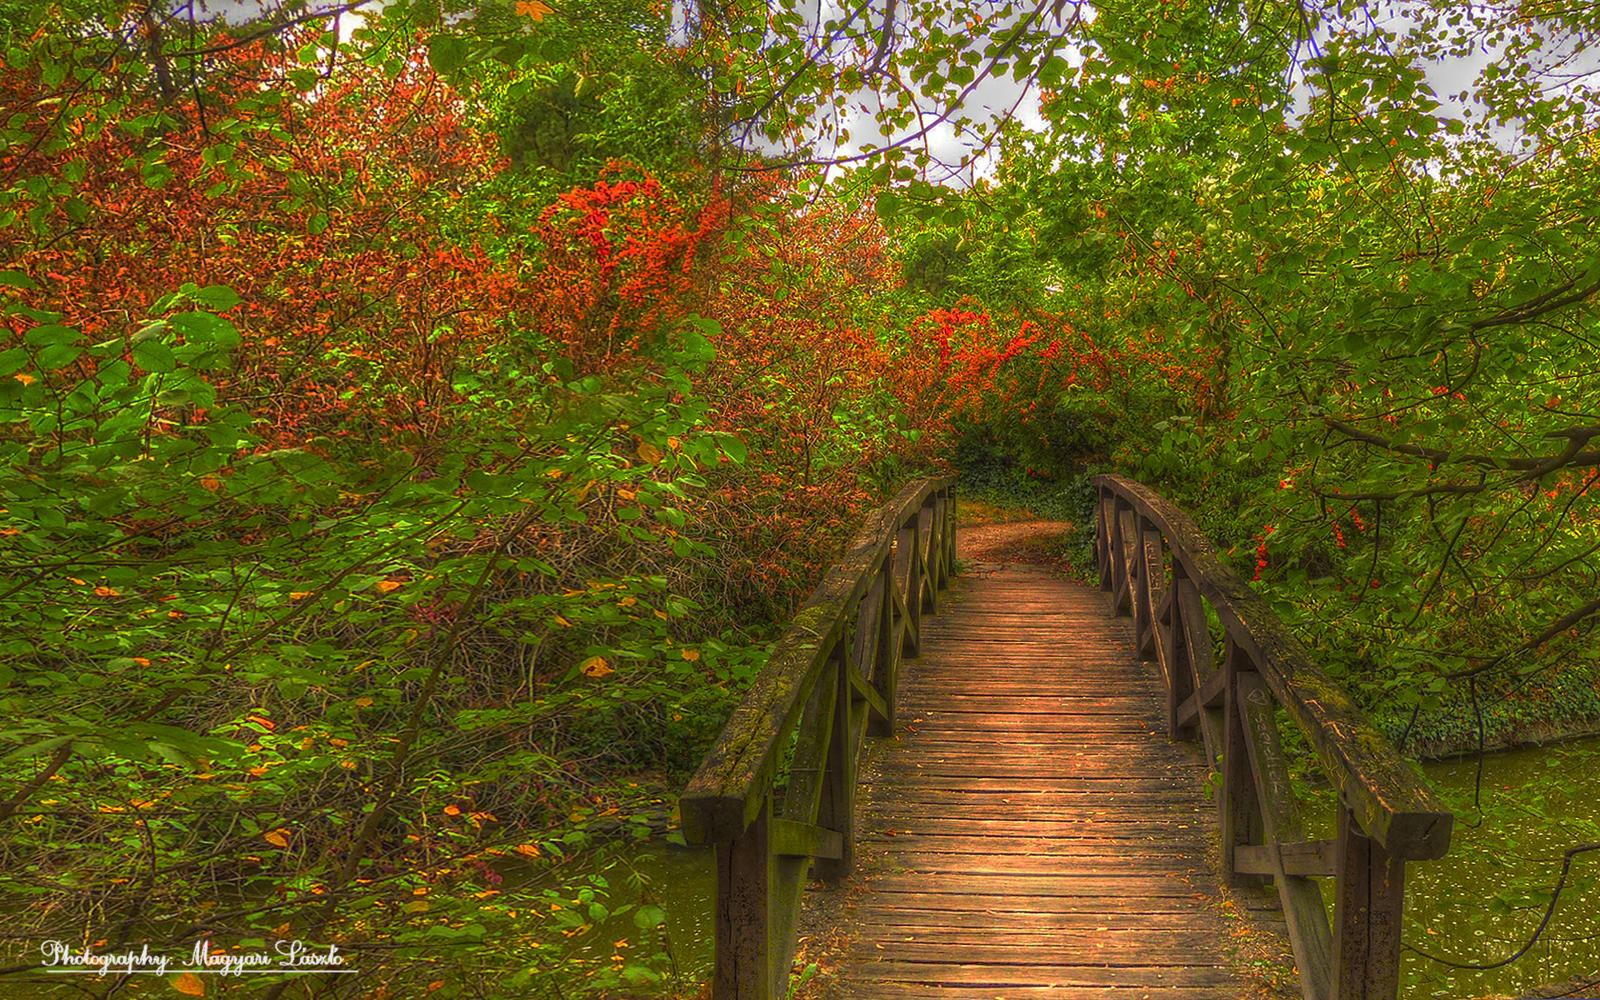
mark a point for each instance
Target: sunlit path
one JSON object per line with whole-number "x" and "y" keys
{"x": 1032, "y": 832}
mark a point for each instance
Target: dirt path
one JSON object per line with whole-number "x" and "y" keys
{"x": 985, "y": 548}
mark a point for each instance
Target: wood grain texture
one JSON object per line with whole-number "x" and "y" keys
{"x": 1033, "y": 833}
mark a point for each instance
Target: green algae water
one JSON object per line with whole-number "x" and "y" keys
{"x": 1482, "y": 902}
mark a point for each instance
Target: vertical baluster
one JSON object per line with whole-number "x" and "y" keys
{"x": 1241, "y": 806}
{"x": 905, "y": 574}
{"x": 837, "y": 811}
{"x": 1102, "y": 539}
{"x": 1121, "y": 572}
{"x": 1368, "y": 903}
{"x": 1180, "y": 670}
{"x": 926, "y": 586}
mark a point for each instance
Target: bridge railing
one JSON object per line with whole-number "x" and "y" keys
{"x": 1160, "y": 569}
{"x": 776, "y": 793}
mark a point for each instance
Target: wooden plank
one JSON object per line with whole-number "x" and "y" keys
{"x": 1308, "y": 858}
{"x": 1092, "y": 948}
{"x": 1035, "y": 974}
{"x": 1006, "y": 928}
{"x": 1113, "y": 991}
{"x": 1170, "y": 884}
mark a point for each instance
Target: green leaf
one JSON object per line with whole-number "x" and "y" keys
{"x": 154, "y": 356}
{"x": 447, "y": 53}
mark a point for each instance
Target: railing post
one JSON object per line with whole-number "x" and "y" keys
{"x": 1121, "y": 571}
{"x": 837, "y": 810}
{"x": 905, "y": 573}
{"x": 746, "y": 968}
{"x": 1145, "y": 535}
{"x": 1180, "y": 679}
{"x": 1102, "y": 539}
{"x": 1241, "y": 805}
{"x": 1369, "y": 900}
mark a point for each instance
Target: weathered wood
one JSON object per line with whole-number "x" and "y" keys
{"x": 1367, "y": 909}
{"x": 1289, "y": 857}
{"x": 1315, "y": 857}
{"x": 837, "y": 810}
{"x": 1241, "y": 806}
{"x": 1393, "y": 804}
{"x": 1030, "y": 807}
{"x": 726, "y": 792}
{"x": 1209, "y": 695}
{"x": 923, "y": 589}
{"x": 803, "y": 794}
{"x": 792, "y": 838}
{"x": 745, "y": 963}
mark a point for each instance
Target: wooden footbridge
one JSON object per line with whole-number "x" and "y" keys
{"x": 1040, "y": 829}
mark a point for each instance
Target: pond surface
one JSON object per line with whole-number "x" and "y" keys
{"x": 1483, "y": 901}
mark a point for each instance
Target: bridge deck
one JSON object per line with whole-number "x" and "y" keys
{"x": 1033, "y": 833}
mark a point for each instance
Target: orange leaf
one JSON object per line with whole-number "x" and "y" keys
{"x": 528, "y": 850}
{"x": 211, "y": 483}
{"x": 533, "y": 9}
{"x": 650, "y": 453}
{"x": 107, "y": 592}
{"x": 25, "y": 379}
{"x": 277, "y": 838}
{"x": 691, "y": 654}
{"x": 385, "y": 586}
{"x": 363, "y": 702}
{"x": 141, "y": 661}
{"x": 300, "y": 595}
{"x": 596, "y": 666}
{"x": 189, "y": 984}
{"x": 452, "y": 810}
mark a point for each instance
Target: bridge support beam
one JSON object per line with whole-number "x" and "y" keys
{"x": 1366, "y": 912}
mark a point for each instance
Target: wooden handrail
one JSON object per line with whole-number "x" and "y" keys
{"x": 776, "y": 793}
{"x": 1160, "y": 569}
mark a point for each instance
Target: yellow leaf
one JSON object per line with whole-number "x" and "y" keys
{"x": 528, "y": 850}
{"x": 385, "y": 586}
{"x": 189, "y": 984}
{"x": 649, "y": 452}
{"x": 691, "y": 654}
{"x": 363, "y": 702}
{"x": 277, "y": 838}
{"x": 533, "y": 9}
{"x": 596, "y": 666}
{"x": 563, "y": 622}
{"x": 300, "y": 595}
